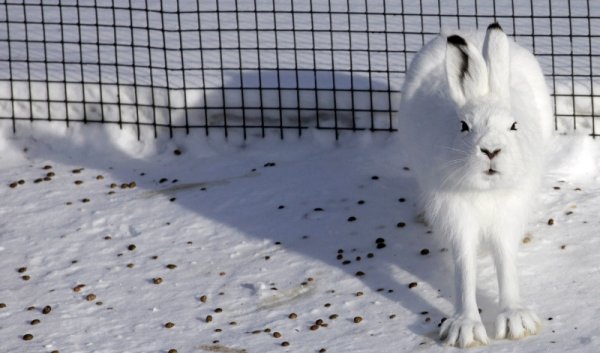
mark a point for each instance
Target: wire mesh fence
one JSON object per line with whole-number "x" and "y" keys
{"x": 269, "y": 65}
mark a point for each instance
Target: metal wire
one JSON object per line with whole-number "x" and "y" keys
{"x": 263, "y": 66}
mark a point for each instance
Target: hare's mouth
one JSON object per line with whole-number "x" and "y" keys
{"x": 491, "y": 171}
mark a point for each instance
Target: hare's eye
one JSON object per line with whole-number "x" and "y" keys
{"x": 463, "y": 126}
{"x": 513, "y": 127}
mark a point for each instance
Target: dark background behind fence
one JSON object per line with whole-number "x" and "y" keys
{"x": 257, "y": 66}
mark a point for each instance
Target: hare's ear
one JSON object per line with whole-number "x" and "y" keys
{"x": 466, "y": 71}
{"x": 497, "y": 57}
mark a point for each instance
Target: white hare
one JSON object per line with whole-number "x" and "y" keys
{"x": 475, "y": 119}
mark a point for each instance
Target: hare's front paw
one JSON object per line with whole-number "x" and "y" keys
{"x": 515, "y": 323}
{"x": 463, "y": 332}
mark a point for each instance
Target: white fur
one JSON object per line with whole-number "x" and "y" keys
{"x": 467, "y": 207}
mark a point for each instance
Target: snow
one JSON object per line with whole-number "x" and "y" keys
{"x": 256, "y": 226}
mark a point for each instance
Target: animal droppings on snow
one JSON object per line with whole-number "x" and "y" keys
{"x": 237, "y": 217}
{"x": 46, "y": 310}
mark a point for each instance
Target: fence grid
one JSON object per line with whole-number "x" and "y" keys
{"x": 260, "y": 66}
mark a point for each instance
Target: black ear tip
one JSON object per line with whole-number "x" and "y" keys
{"x": 494, "y": 25}
{"x": 456, "y": 40}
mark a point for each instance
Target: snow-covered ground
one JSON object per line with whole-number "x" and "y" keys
{"x": 244, "y": 245}
{"x": 201, "y": 244}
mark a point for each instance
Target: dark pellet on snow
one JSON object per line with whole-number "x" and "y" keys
{"x": 35, "y": 322}
{"x": 46, "y": 167}
{"x": 90, "y": 297}
{"x": 203, "y": 298}
{"x": 351, "y": 219}
{"x": 169, "y": 325}
{"x": 380, "y": 245}
{"x": 171, "y": 266}
{"x": 162, "y": 180}
{"x": 2, "y": 305}
{"x": 402, "y": 199}
{"x": 346, "y": 262}
{"x": 412, "y": 285}
{"x": 333, "y": 316}
{"x": 157, "y": 280}
{"x": 47, "y": 309}
{"x": 21, "y": 182}
{"x": 285, "y": 343}
{"x": 340, "y": 251}
{"x": 370, "y": 255}
{"x": 22, "y": 269}
{"x": 78, "y": 182}
{"x": 218, "y": 310}
{"x": 339, "y": 256}
{"x": 379, "y": 240}
{"x": 172, "y": 199}
{"x": 393, "y": 316}
{"x": 131, "y": 247}
{"x": 270, "y": 164}
{"x": 37, "y": 181}
{"x": 26, "y": 277}
{"x": 551, "y": 222}
{"x": 292, "y": 316}
{"x": 424, "y": 252}
{"x": 86, "y": 200}
{"x": 357, "y": 319}
{"x": 276, "y": 334}
{"x": 13, "y": 185}
{"x": 361, "y": 202}
{"x": 27, "y": 337}
{"x": 375, "y": 177}
{"x": 401, "y": 225}
{"x": 318, "y": 209}
{"x": 280, "y": 207}
{"x": 359, "y": 273}
{"x": 314, "y": 327}
{"x": 177, "y": 152}
{"x": 359, "y": 294}
{"x": 322, "y": 350}
{"x": 209, "y": 318}
{"x": 172, "y": 351}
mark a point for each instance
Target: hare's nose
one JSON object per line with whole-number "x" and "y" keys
{"x": 490, "y": 155}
